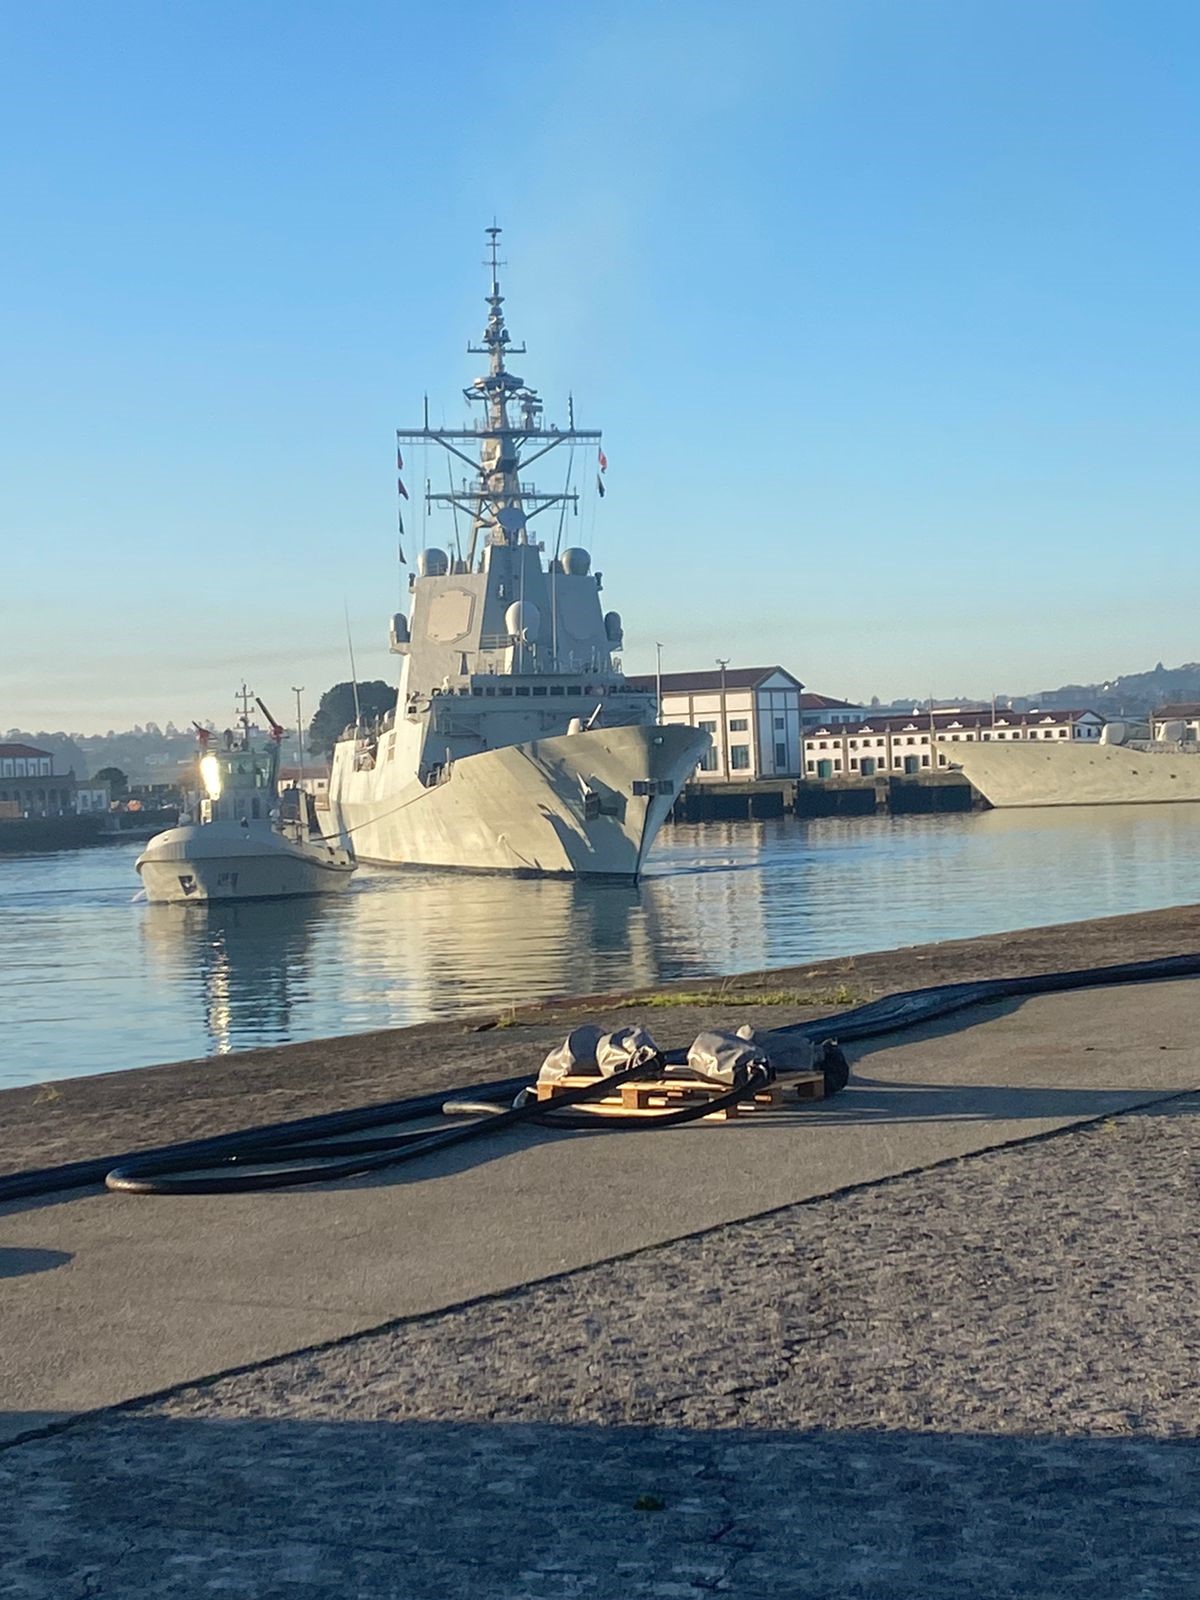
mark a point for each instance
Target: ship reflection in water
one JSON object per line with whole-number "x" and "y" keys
{"x": 243, "y": 969}
{"x": 90, "y": 983}
{"x": 403, "y": 947}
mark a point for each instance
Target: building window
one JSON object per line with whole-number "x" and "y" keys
{"x": 707, "y": 727}
{"x": 739, "y": 757}
{"x": 853, "y": 763}
{"x": 925, "y": 760}
{"x": 708, "y": 761}
{"x": 738, "y": 725}
{"x": 811, "y": 766}
{"x": 781, "y": 759}
{"x": 779, "y": 723}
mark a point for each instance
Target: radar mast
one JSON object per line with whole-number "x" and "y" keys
{"x": 499, "y": 503}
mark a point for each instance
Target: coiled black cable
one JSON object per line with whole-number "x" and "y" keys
{"x": 323, "y": 1161}
{"x": 892, "y": 1014}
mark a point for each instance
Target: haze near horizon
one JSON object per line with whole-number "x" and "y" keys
{"x": 886, "y": 312}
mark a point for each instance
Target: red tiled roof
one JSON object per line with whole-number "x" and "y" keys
{"x": 21, "y": 750}
{"x": 706, "y": 682}
{"x": 826, "y": 702}
{"x": 945, "y": 721}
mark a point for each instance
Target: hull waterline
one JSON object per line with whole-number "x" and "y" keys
{"x": 223, "y": 862}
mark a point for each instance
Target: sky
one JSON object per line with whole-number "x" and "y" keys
{"x": 887, "y": 309}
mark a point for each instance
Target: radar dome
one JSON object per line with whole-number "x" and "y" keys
{"x": 612, "y": 627}
{"x": 433, "y": 563}
{"x": 576, "y": 563}
{"x": 522, "y": 620}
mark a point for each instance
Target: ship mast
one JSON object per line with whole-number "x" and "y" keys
{"x": 498, "y": 502}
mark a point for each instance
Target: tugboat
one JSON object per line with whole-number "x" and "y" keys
{"x": 516, "y": 745}
{"x": 246, "y": 842}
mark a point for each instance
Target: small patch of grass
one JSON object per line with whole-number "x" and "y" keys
{"x": 842, "y": 995}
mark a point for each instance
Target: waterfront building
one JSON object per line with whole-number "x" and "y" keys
{"x": 1176, "y": 722}
{"x": 313, "y": 777}
{"x": 887, "y": 745}
{"x": 29, "y": 785}
{"x": 752, "y": 715}
{"x": 822, "y": 711}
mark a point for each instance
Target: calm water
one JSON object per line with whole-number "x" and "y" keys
{"x": 90, "y": 982}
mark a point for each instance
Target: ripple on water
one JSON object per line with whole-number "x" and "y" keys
{"x": 90, "y": 982}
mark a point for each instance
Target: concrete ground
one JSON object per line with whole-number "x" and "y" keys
{"x": 973, "y": 1377}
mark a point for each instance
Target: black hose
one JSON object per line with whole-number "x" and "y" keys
{"x": 303, "y": 1137}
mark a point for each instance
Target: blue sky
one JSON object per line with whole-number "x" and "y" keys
{"x": 888, "y": 312}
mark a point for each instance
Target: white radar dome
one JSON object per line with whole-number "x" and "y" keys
{"x": 576, "y": 563}
{"x": 433, "y": 563}
{"x": 522, "y": 620}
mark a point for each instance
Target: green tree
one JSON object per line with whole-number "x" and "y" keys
{"x": 336, "y": 712}
{"x": 117, "y": 782}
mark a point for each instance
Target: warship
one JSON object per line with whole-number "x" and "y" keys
{"x": 516, "y": 744}
{"x": 1129, "y": 765}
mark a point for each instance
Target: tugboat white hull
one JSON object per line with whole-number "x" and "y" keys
{"x": 222, "y": 861}
{"x": 577, "y": 805}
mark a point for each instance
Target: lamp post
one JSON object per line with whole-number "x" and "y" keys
{"x": 658, "y": 678}
{"x": 724, "y": 722}
{"x": 299, "y": 733}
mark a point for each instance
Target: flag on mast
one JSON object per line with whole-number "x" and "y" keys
{"x": 400, "y": 536}
{"x": 600, "y": 485}
{"x": 399, "y": 460}
{"x": 401, "y": 488}
{"x": 602, "y": 459}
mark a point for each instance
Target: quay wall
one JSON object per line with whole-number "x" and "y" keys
{"x": 833, "y": 797}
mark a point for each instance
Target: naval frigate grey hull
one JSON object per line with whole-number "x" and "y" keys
{"x": 1077, "y": 774}
{"x": 580, "y": 805}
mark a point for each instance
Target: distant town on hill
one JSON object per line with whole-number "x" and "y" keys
{"x": 152, "y": 755}
{"x": 1134, "y": 694}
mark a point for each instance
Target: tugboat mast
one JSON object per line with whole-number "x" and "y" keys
{"x": 499, "y": 504}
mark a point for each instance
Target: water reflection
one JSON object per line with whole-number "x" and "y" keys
{"x": 247, "y": 966}
{"x": 91, "y": 983}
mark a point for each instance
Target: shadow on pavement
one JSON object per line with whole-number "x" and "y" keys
{"x": 153, "y": 1507}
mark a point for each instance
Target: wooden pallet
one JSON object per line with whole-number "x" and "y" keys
{"x": 649, "y": 1096}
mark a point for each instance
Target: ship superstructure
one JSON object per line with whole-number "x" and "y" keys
{"x": 516, "y": 744}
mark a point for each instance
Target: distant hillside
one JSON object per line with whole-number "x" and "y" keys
{"x": 146, "y": 755}
{"x": 1134, "y": 694}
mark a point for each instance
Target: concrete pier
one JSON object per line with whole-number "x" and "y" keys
{"x": 593, "y": 1332}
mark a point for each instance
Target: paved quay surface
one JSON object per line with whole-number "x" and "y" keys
{"x": 976, "y": 1380}
{"x": 980, "y": 1378}
{"x": 135, "y": 1294}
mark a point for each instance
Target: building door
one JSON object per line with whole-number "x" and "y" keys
{"x": 911, "y": 764}
{"x": 824, "y": 769}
